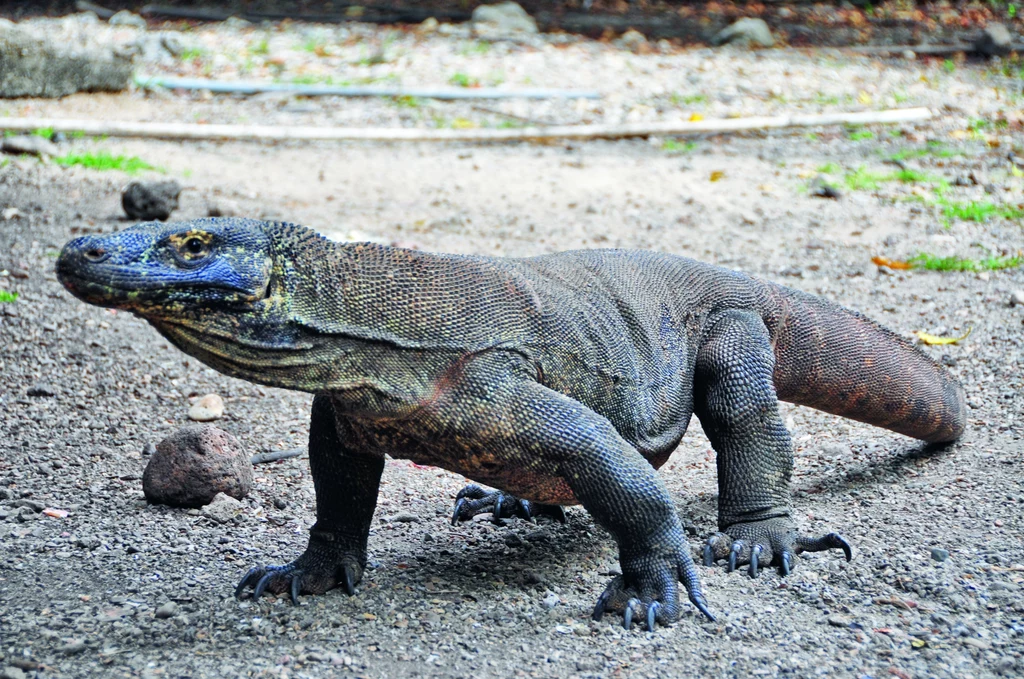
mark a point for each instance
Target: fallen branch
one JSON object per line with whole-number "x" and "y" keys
{"x": 305, "y": 90}
{"x": 275, "y": 455}
{"x": 380, "y": 14}
{"x": 280, "y": 133}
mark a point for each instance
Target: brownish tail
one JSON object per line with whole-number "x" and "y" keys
{"x": 839, "y": 361}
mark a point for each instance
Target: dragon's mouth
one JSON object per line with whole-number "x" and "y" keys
{"x": 139, "y": 294}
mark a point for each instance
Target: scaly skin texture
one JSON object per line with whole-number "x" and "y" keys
{"x": 561, "y": 379}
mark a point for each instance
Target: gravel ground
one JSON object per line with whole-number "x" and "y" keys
{"x": 122, "y": 588}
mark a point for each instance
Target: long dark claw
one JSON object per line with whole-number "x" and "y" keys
{"x": 458, "y": 510}
{"x": 847, "y": 550}
{"x": 709, "y": 555}
{"x": 701, "y": 604}
{"x": 785, "y": 567}
{"x": 829, "y": 541}
{"x": 348, "y": 578}
{"x": 652, "y": 612}
{"x": 734, "y": 553}
{"x": 524, "y": 510}
{"x": 246, "y": 581}
{"x": 627, "y": 621}
{"x": 755, "y": 552}
{"x": 261, "y": 586}
{"x": 296, "y": 586}
{"x": 599, "y": 607}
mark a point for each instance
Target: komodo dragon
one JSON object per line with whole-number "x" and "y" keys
{"x": 561, "y": 379}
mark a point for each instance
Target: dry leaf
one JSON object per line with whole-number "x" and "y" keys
{"x": 932, "y": 340}
{"x": 56, "y": 513}
{"x": 892, "y": 263}
{"x": 696, "y": 117}
{"x": 716, "y": 175}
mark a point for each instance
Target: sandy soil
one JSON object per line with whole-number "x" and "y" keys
{"x": 121, "y": 588}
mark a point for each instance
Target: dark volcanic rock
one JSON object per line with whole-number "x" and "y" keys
{"x": 156, "y": 200}
{"x": 195, "y": 463}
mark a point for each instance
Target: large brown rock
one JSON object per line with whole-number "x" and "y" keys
{"x": 195, "y": 463}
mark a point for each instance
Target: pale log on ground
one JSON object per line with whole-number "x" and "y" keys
{"x": 116, "y": 128}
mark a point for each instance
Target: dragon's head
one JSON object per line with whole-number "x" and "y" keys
{"x": 171, "y": 270}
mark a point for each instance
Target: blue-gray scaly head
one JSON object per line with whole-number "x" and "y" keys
{"x": 213, "y": 287}
{"x": 166, "y": 270}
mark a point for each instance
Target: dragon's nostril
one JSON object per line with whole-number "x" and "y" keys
{"x": 95, "y": 254}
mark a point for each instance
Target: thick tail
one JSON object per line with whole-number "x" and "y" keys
{"x": 839, "y": 361}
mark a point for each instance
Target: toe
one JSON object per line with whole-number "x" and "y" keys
{"x": 755, "y": 553}
{"x": 785, "y": 563}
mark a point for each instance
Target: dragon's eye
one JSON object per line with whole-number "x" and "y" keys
{"x": 194, "y": 246}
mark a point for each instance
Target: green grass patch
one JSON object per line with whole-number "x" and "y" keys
{"x": 909, "y": 176}
{"x": 978, "y": 124}
{"x": 463, "y": 80}
{"x": 933, "y": 148}
{"x": 860, "y": 135}
{"x": 678, "y": 146}
{"x": 314, "y": 45}
{"x": 261, "y": 47}
{"x": 475, "y": 47}
{"x": 993, "y": 263}
{"x": 828, "y": 168}
{"x": 317, "y": 79}
{"x": 7, "y": 296}
{"x": 978, "y": 211}
{"x": 407, "y": 101}
{"x": 948, "y": 66}
{"x": 863, "y": 179}
{"x": 191, "y": 54}
{"x": 104, "y": 160}
{"x": 678, "y": 99}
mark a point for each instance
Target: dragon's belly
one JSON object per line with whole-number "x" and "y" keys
{"x": 491, "y": 461}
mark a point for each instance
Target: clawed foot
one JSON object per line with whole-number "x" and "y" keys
{"x": 323, "y": 566}
{"x": 473, "y": 500}
{"x": 772, "y": 542}
{"x": 648, "y": 590}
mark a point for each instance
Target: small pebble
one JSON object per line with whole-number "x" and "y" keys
{"x": 12, "y": 672}
{"x": 72, "y": 647}
{"x": 1017, "y": 298}
{"x": 41, "y": 390}
{"x": 207, "y": 409}
{"x": 939, "y": 555}
{"x": 166, "y": 610}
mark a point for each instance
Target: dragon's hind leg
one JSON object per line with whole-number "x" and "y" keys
{"x": 736, "y": 402}
{"x": 473, "y": 500}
